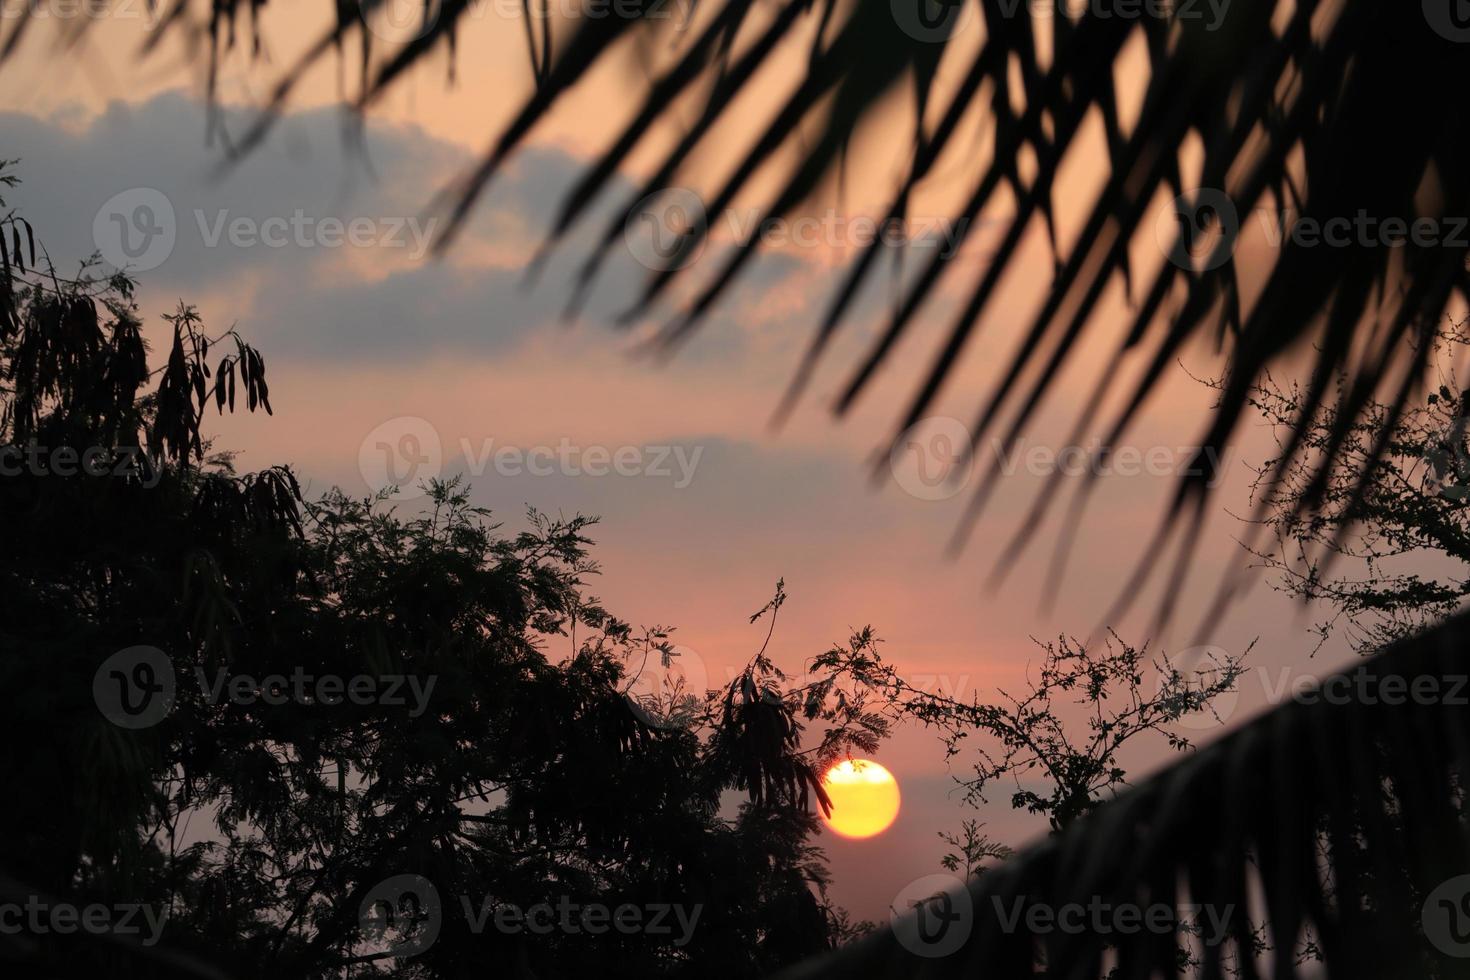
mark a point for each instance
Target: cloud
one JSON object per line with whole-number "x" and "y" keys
{"x": 315, "y": 242}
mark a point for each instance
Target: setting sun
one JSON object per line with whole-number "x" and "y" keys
{"x": 864, "y": 798}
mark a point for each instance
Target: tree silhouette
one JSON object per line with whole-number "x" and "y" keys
{"x": 1354, "y": 553}
{"x": 1333, "y": 821}
{"x": 1317, "y": 109}
{"x": 322, "y": 737}
{"x": 1080, "y": 709}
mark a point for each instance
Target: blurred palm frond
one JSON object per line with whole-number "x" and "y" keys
{"x": 1327, "y": 109}
{"x": 1326, "y": 837}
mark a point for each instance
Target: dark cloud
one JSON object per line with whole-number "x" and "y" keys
{"x": 287, "y": 282}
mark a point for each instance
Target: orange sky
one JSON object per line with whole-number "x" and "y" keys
{"x": 460, "y": 345}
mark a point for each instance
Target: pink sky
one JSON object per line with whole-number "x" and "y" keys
{"x": 355, "y": 338}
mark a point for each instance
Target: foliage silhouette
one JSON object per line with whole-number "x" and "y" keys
{"x": 1412, "y": 511}
{"x": 1041, "y": 733}
{"x": 262, "y": 813}
{"x": 1335, "y": 820}
{"x": 1255, "y": 108}
{"x": 1068, "y": 732}
{"x": 1329, "y": 109}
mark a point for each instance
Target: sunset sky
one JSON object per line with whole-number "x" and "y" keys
{"x": 358, "y": 339}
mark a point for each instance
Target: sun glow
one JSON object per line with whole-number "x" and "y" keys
{"x": 864, "y": 798}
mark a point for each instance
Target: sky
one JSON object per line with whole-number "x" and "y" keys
{"x": 378, "y": 354}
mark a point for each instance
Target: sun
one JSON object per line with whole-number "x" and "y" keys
{"x": 864, "y": 798}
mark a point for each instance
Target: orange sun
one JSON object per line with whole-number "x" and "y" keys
{"x": 864, "y": 798}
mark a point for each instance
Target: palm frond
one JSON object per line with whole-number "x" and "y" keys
{"x": 1332, "y": 824}
{"x": 1329, "y": 108}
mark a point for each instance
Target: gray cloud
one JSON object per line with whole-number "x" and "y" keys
{"x": 302, "y": 301}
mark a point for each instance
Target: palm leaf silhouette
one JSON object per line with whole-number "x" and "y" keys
{"x": 1333, "y": 108}
{"x": 1282, "y": 830}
